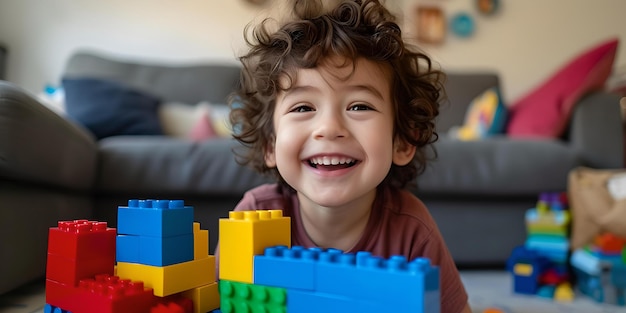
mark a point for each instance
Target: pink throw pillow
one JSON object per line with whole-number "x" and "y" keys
{"x": 545, "y": 111}
{"x": 203, "y": 130}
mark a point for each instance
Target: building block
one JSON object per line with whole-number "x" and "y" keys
{"x": 238, "y": 297}
{"x": 171, "y": 279}
{"x": 200, "y": 242}
{"x": 82, "y": 239}
{"x": 173, "y": 304}
{"x": 564, "y": 292}
{"x": 245, "y": 234}
{"x": 586, "y": 262}
{"x": 157, "y": 218}
{"x": 157, "y": 251}
{"x": 127, "y": 248}
{"x": 71, "y": 271}
{"x": 164, "y": 251}
{"x": 281, "y": 266}
{"x": 526, "y": 266}
{"x": 306, "y": 301}
{"x": 104, "y": 294}
{"x": 366, "y": 277}
{"x": 205, "y": 298}
{"x": 546, "y": 291}
{"x": 609, "y": 243}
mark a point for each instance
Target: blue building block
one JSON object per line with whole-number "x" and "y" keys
{"x": 157, "y": 218}
{"x": 127, "y": 248}
{"x": 618, "y": 275}
{"x": 366, "y": 277}
{"x": 287, "y": 268}
{"x": 546, "y": 291}
{"x": 164, "y": 251}
{"x": 155, "y": 251}
{"x": 305, "y": 301}
{"x": 526, "y": 266}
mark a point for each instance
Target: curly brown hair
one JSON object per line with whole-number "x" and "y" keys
{"x": 352, "y": 29}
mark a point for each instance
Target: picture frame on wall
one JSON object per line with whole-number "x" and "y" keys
{"x": 431, "y": 24}
{"x": 487, "y": 7}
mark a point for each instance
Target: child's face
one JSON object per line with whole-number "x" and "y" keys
{"x": 334, "y": 133}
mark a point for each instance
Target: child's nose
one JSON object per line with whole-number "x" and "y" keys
{"x": 330, "y": 126}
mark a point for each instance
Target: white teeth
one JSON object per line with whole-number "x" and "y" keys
{"x": 331, "y": 160}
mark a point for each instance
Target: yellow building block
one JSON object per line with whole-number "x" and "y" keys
{"x": 171, "y": 279}
{"x": 245, "y": 234}
{"x": 564, "y": 293}
{"x": 200, "y": 242}
{"x": 205, "y": 298}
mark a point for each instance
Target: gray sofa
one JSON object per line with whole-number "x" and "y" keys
{"x": 52, "y": 169}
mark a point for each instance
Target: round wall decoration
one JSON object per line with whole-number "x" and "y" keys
{"x": 462, "y": 25}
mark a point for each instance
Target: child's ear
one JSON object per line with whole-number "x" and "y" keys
{"x": 270, "y": 156}
{"x": 403, "y": 152}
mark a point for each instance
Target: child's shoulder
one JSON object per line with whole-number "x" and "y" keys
{"x": 263, "y": 197}
{"x": 402, "y": 205}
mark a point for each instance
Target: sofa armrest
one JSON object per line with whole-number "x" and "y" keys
{"x": 596, "y": 131}
{"x": 39, "y": 146}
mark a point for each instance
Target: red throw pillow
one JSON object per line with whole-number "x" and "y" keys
{"x": 546, "y": 110}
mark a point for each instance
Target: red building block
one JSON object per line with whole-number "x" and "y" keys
{"x": 82, "y": 239}
{"x": 71, "y": 271}
{"x": 104, "y": 294}
{"x": 79, "y": 250}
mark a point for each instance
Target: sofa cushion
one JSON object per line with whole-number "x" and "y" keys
{"x": 546, "y": 110}
{"x": 39, "y": 146}
{"x": 159, "y": 166}
{"x": 498, "y": 166}
{"x": 485, "y": 117}
{"x": 108, "y": 108}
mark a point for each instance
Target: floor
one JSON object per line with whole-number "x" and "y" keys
{"x": 486, "y": 289}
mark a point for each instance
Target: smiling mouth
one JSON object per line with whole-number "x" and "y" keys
{"x": 332, "y": 163}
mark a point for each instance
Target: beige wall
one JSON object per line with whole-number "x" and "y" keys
{"x": 524, "y": 42}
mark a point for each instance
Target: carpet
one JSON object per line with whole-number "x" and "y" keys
{"x": 485, "y": 288}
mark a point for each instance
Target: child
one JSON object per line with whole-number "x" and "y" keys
{"x": 340, "y": 110}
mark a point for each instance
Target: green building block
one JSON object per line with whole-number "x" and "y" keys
{"x": 236, "y": 297}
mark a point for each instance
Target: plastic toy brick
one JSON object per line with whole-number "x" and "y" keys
{"x": 526, "y": 266}
{"x": 238, "y": 297}
{"x": 173, "y": 304}
{"x": 305, "y": 301}
{"x": 205, "y": 298}
{"x": 564, "y": 292}
{"x": 71, "y": 271}
{"x": 104, "y": 294}
{"x": 413, "y": 286}
{"x": 171, "y": 279}
{"x": 200, "y": 242}
{"x": 618, "y": 275}
{"x": 245, "y": 234}
{"x": 609, "y": 243}
{"x": 281, "y": 266}
{"x": 586, "y": 262}
{"x": 546, "y": 291}
{"x": 157, "y": 218}
{"x": 163, "y": 251}
{"x": 82, "y": 239}
{"x": 127, "y": 248}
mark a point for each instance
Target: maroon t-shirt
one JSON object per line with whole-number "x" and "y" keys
{"x": 399, "y": 224}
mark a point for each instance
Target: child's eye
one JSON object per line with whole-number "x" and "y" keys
{"x": 360, "y": 107}
{"x": 301, "y": 108}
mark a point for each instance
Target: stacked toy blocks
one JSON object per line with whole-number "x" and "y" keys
{"x": 540, "y": 266}
{"x": 259, "y": 272}
{"x": 600, "y": 269}
{"x": 158, "y": 243}
{"x": 80, "y": 265}
{"x": 163, "y": 264}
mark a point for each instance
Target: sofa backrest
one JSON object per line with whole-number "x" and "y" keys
{"x": 188, "y": 83}
{"x": 461, "y": 89}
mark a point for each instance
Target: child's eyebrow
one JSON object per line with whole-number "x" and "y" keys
{"x": 368, "y": 88}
